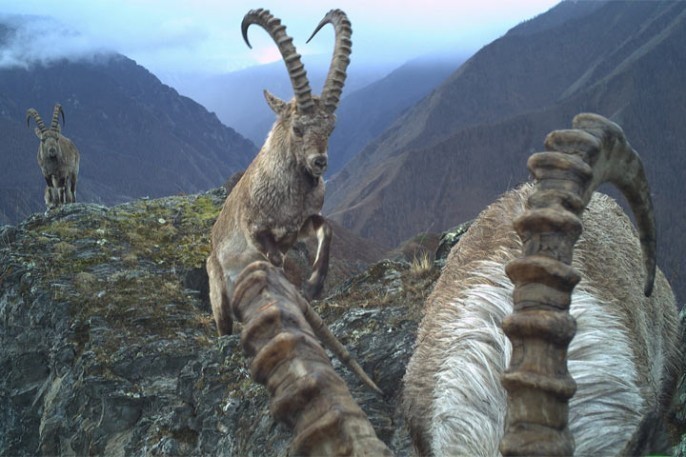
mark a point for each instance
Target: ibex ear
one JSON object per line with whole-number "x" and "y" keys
{"x": 275, "y": 103}
{"x": 37, "y": 131}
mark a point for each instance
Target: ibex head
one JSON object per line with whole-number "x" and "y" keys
{"x": 49, "y": 147}
{"x": 305, "y": 123}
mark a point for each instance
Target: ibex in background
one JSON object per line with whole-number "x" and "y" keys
{"x": 279, "y": 197}
{"x": 58, "y": 159}
{"x": 624, "y": 358}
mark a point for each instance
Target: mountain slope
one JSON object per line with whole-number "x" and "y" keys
{"x": 137, "y": 137}
{"x": 374, "y": 96}
{"x": 237, "y": 97}
{"x": 466, "y": 143}
{"x": 366, "y": 113}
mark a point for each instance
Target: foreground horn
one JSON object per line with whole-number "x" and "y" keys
{"x": 306, "y": 393}
{"x": 540, "y": 328}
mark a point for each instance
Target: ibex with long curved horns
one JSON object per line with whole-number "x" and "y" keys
{"x": 623, "y": 359}
{"x": 279, "y": 197}
{"x": 58, "y": 159}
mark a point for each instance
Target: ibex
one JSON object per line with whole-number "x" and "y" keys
{"x": 623, "y": 359}
{"x": 279, "y": 197}
{"x": 58, "y": 159}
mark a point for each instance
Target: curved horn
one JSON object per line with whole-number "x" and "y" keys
{"x": 540, "y": 327}
{"x": 296, "y": 70}
{"x": 306, "y": 393}
{"x": 54, "y": 125}
{"x": 32, "y": 113}
{"x": 622, "y": 167}
{"x": 333, "y": 87}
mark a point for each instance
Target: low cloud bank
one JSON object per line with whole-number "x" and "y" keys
{"x": 40, "y": 40}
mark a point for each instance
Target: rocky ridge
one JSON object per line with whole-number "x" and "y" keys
{"x": 109, "y": 347}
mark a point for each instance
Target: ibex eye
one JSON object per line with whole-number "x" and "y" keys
{"x": 298, "y": 131}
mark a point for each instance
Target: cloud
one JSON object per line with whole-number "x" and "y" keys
{"x": 30, "y": 40}
{"x": 168, "y": 36}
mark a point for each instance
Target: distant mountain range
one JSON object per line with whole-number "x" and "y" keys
{"x": 468, "y": 141}
{"x": 137, "y": 136}
{"x": 416, "y": 150}
{"x": 366, "y": 113}
{"x": 237, "y": 97}
{"x": 373, "y": 97}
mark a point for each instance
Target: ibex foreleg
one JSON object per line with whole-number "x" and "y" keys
{"x": 266, "y": 243}
{"x": 317, "y": 225}
{"x": 219, "y": 296}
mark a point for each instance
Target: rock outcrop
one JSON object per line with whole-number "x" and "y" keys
{"x": 109, "y": 347}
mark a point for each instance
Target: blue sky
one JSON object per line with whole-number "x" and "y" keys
{"x": 203, "y": 36}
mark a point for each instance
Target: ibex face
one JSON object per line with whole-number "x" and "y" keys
{"x": 49, "y": 148}
{"x": 305, "y": 124}
{"x": 306, "y": 135}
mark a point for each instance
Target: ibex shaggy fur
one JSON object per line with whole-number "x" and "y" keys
{"x": 58, "y": 159}
{"x": 279, "y": 197}
{"x": 623, "y": 360}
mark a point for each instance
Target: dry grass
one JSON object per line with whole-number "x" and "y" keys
{"x": 421, "y": 264}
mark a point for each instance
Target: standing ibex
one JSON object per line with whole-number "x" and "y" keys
{"x": 58, "y": 159}
{"x": 279, "y": 197}
{"x": 624, "y": 357}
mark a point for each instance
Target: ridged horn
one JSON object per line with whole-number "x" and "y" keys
{"x": 333, "y": 86}
{"x": 55, "y": 124}
{"x": 306, "y": 394}
{"x": 630, "y": 179}
{"x": 32, "y": 113}
{"x": 540, "y": 327}
{"x": 296, "y": 69}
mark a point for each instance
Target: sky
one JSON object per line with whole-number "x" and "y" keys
{"x": 203, "y": 36}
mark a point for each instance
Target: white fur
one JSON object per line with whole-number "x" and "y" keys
{"x": 599, "y": 361}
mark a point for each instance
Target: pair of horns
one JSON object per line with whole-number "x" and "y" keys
{"x": 333, "y": 86}
{"x": 54, "y": 124}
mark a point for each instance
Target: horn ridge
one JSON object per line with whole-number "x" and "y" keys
{"x": 537, "y": 380}
{"x": 54, "y": 125}
{"x": 296, "y": 70}
{"x": 32, "y": 113}
{"x": 333, "y": 85}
